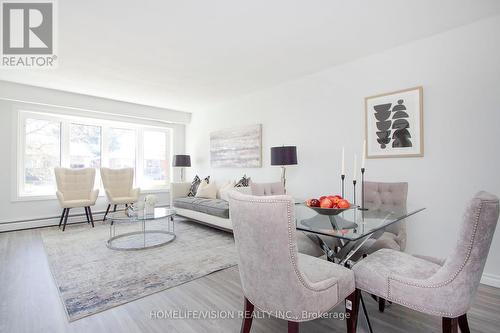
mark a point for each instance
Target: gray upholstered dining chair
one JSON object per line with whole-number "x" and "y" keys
{"x": 276, "y": 278}
{"x": 444, "y": 288}
{"x": 386, "y": 195}
{"x": 305, "y": 244}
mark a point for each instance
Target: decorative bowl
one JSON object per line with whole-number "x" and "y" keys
{"x": 330, "y": 211}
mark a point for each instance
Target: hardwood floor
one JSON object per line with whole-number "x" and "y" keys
{"x": 29, "y": 302}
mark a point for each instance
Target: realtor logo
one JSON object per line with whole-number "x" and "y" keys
{"x": 28, "y": 34}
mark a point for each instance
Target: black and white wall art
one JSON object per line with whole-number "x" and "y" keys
{"x": 237, "y": 147}
{"x": 394, "y": 124}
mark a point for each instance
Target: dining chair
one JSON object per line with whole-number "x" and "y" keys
{"x": 384, "y": 195}
{"x": 275, "y": 278}
{"x": 119, "y": 187}
{"x": 305, "y": 244}
{"x": 444, "y": 288}
{"x": 75, "y": 189}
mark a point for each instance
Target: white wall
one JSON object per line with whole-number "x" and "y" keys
{"x": 460, "y": 74}
{"x": 14, "y": 95}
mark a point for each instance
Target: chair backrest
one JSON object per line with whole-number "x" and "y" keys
{"x": 264, "y": 233}
{"x": 75, "y": 184}
{"x": 387, "y": 195}
{"x": 265, "y": 189}
{"x": 118, "y": 182}
{"x": 384, "y": 194}
{"x": 462, "y": 270}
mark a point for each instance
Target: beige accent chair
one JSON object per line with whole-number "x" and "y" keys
{"x": 118, "y": 185}
{"x": 438, "y": 287}
{"x": 75, "y": 188}
{"x": 274, "y": 276}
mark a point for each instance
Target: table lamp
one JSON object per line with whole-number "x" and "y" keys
{"x": 283, "y": 156}
{"x": 181, "y": 161}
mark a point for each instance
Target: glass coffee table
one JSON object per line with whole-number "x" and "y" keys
{"x": 138, "y": 232}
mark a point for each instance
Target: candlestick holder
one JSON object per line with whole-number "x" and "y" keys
{"x": 362, "y": 190}
{"x": 354, "y": 191}
{"x": 342, "y": 177}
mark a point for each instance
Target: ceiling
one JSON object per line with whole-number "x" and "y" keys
{"x": 190, "y": 55}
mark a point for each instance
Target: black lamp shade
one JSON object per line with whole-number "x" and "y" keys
{"x": 285, "y": 155}
{"x": 181, "y": 161}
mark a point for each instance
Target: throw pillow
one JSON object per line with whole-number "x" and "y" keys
{"x": 243, "y": 189}
{"x": 206, "y": 190}
{"x": 194, "y": 185}
{"x": 243, "y": 182}
{"x": 222, "y": 192}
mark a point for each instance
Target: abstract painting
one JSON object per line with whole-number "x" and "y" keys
{"x": 237, "y": 148}
{"x": 394, "y": 124}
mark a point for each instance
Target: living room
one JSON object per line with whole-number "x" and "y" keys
{"x": 260, "y": 167}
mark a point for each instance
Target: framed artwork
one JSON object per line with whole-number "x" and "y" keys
{"x": 394, "y": 124}
{"x": 237, "y": 147}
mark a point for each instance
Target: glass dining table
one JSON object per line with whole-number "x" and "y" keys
{"x": 351, "y": 228}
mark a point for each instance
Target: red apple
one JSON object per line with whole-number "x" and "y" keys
{"x": 314, "y": 203}
{"x": 326, "y": 203}
{"x": 343, "y": 204}
{"x": 323, "y": 197}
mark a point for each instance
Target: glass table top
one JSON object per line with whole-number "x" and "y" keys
{"x": 129, "y": 215}
{"x": 352, "y": 224}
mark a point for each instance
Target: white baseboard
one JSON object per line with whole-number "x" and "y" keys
{"x": 491, "y": 280}
{"x": 48, "y": 222}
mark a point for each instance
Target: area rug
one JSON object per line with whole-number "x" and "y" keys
{"x": 92, "y": 278}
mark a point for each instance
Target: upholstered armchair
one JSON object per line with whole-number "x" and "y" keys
{"x": 274, "y": 276}
{"x": 118, "y": 185}
{"x": 75, "y": 188}
{"x": 438, "y": 287}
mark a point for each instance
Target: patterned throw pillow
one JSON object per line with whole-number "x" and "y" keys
{"x": 243, "y": 182}
{"x": 194, "y": 185}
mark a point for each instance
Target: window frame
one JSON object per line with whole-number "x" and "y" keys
{"x": 105, "y": 124}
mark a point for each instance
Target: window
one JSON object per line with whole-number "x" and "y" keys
{"x": 155, "y": 163}
{"x": 42, "y": 152}
{"x": 47, "y": 141}
{"x": 84, "y": 146}
{"x": 121, "y": 148}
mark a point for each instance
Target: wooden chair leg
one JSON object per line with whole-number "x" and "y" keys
{"x": 91, "y": 218}
{"x": 293, "y": 327}
{"x": 87, "y": 214}
{"x": 246, "y": 324}
{"x": 450, "y": 325}
{"x": 114, "y": 209}
{"x": 65, "y": 219}
{"x": 62, "y": 216}
{"x": 381, "y": 304}
{"x": 352, "y": 310}
{"x": 106, "y": 214}
{"x": 463, "y": 323}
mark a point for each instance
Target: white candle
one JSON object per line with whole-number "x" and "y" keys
{"x": 364, "y": 155}
{"x": 355, "y": 172}
{"x": 343, "y": 161}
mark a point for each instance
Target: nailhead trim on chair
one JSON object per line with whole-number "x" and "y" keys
{"x": 442, "y": 284}
{"x": 292, "y": 257}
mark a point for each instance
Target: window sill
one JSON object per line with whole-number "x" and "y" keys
{"x": 101, "y": 195}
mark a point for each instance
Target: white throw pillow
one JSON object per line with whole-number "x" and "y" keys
{"x": 243, "y": 189}
{"x": 221, "y": 193}
{"x": 206, "y": 190}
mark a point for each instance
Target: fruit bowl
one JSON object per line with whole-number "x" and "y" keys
{"x": 330, "y": 211}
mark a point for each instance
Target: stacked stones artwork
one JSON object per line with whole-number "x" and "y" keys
{"x": 397, "y": 122}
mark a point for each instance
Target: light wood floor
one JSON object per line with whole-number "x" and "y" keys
{"x": 29, "y": 302}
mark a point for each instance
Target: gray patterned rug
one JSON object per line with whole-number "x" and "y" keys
{"x": 92, "y": 278}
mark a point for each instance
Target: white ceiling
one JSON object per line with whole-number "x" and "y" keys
{"x": 189, "y": 55}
